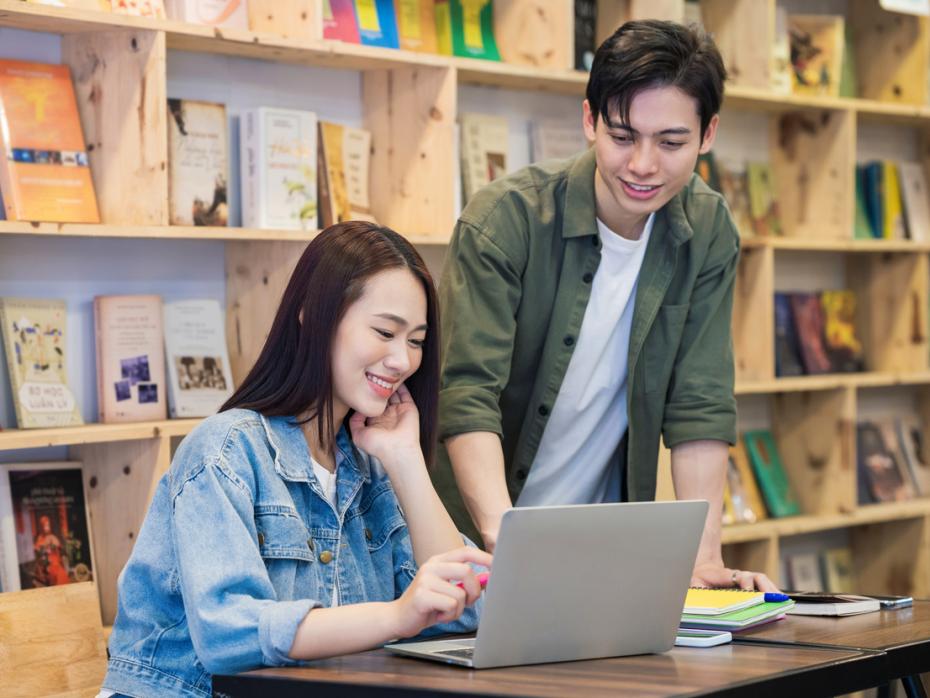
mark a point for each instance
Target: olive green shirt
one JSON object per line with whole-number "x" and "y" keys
{"x": 514, "y": 290}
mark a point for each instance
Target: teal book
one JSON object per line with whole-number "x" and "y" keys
{"x": 472, "y": 29}
{"x": 862, "y": 228}
{"x": 780, "y": 499}
{"x": 737, "y": 620}
{"x": 872, "y": 185}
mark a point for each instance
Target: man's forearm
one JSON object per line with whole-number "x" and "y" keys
{"x": 699, "y": 471}
{"x": 478, "y": 464}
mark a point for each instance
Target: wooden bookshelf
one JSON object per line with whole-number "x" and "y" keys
{"x": 409, "y": 102}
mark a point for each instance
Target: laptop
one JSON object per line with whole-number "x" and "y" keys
{"x": 580, "y": 582}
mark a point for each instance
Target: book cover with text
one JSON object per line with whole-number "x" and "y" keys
{"x": 198, "y": 169}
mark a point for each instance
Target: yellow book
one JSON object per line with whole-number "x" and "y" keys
{"x": 443, "y": 14}
{"x": 892, "y": 211}
{"x": 715, "y": 602}
{"x": 416, "y": 25}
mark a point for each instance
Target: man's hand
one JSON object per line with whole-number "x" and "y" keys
{"x": 713, "y": 575}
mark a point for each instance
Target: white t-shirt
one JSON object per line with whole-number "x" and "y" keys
{"x": 589, "y": 417}
{"x": 327, "y": 482}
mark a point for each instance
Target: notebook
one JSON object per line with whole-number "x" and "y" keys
{"x": 714, "y": 602}
{"x": 739, "y": 620}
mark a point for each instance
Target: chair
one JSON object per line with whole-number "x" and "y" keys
{"x": 51, "y": 642}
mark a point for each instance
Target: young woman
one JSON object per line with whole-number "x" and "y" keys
{"x": 300, "y": 521}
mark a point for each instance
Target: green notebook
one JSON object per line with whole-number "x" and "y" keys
{"x": 780, "y": 499}
{"x": 736, "y": 620}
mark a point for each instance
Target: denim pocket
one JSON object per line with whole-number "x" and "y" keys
{"x": 281, "y": 534}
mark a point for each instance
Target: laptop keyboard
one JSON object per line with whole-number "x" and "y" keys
{"x": 464, "y": 653}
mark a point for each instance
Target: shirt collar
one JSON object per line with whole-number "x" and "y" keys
{"x": 581, "y": 211}
{"x": 292, "y": 457}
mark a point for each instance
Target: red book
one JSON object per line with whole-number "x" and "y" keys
{"x": 339, "y": 21}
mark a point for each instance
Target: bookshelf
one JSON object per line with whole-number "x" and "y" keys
{"x": 410, "y": 102}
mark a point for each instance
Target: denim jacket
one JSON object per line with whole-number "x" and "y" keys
{"x": 239, "y": 544}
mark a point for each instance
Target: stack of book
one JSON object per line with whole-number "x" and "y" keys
{"x": 732, "y": 609}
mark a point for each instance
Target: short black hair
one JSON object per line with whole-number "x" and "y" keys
{"x": 645, "y": 54}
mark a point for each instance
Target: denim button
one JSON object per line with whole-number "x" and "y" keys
{"x": 310, "y": 543}
{"x": 367, "y": 534}
{"x": 326, "y": 557}
{"x": 543, "y": 410}
{"x": 261, "y": 538}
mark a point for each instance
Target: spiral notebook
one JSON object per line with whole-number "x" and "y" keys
{"x": 714, "y": 602}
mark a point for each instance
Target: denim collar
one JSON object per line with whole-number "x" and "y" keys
{"x": 292, "y": 456}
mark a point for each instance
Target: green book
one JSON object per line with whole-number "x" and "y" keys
{"x": 862, "y": 228}
{"x": 736, "y": 620}
{"x": 780, "y": 500}
{"x": 472, "y": 29}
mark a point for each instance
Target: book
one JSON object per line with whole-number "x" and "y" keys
{"x": 339, "y": 21}
{"x": 45, "y": 532}
{"x": 585, "y": 33}
{"x": 44, "y": 169}
{"x": 739, "y": 620}
{"x": 735, "y": 190}
{"x": 278, "y": 160}
{"x": 787, "y": 349}
{"x": 862, "y": 226}
{"x": 804, "y": 569}
{"x": 911, "y": 446}
{"x": 837, "y": 570}
{"x": 377, "y": 24}
{"x": 915, "y": 197}
{"x": 343, "y": 167}
{"x": 198, "y": 169}
{"x": 763, "y": 201}
{"x": 839, "y": 330}
{"x": 100, "y": 5}
{"x": 472, "y": 29}
{"x": 825, "y": 604}
{"x": 877, "y": 466}
{"x": 416, "y": 25}
{"x": 555, "y": 140}
{"x": 892, "y": 209}
{"x": 200, "y": 378}
{"x": 809, "y": 327}
{"x": 213, "y": 13}
{"x": 743, "y": 483}
{"x": 484, "y": 148}
{"x": 706, "y": 167}
{"x": 34, "y": 337}
{"x": 874, "y": 198}
{"x": 780, "y": 499}
{"x": 893, "y": 446}
{"x": 140, "y": 8}
{"x": 442, "y": 11}
{"x": 817, "y": 43}
{"x": 715, "y": 602}
{"x": 130, "y": 358}
{"x": 780, "y": 81}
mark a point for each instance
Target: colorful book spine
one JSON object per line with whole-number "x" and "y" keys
{"x": 472, "y": 24}
{"x": 416, "y": 25}
{"x": 779, "y": 497}
{"x": 339, "y": 21}
{"x": 377, "y": 24}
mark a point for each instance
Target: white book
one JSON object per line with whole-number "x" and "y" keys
{"x": 278, "y": 159}
{"x": 555, "y": 140}
{"x": 213, "y": 13}
{"x": 199, "y": 375}
{"x": 484, "y": 151}
{"x": 916, "y": 200}
{"x": 45, "y": 533}
{"x": 832, "y": 604}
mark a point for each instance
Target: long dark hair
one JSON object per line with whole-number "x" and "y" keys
{"x": 293, "y": 374}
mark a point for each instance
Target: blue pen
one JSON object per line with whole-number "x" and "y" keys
{"x": 772, "y": 596}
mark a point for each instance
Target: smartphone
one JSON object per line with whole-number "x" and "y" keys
{"x": 893, "y": 601}
{"x": 692, "y": 637}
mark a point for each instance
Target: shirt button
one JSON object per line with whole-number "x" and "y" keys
{"x": 588, "y": 278}
{"x": 543, "y": 410}
{"x": 261, "y": 538}
{"x": 594, "y": 240}
{"x": 521, "y": 475}
{"x": 326, "y": 557}
{"x": 310, "y": 543}
{"x": 367, "y": 534}
{"x": 568, "y": 341}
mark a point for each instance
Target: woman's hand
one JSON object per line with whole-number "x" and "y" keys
{"x": 434, "y": 596}
{"x": 394, "y": 435}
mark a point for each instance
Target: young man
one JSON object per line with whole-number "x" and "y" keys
{"x": 586, "y": 307}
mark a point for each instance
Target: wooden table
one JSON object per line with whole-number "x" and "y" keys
{"x": 902, "y": 635}
{"x": 757, "y": 670}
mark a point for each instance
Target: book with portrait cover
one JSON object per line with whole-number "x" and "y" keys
{"x": 483, "y": 150}
{"x": 416, "y": 25}
{"x": 199, "y": 375}
{"x": 34, "y": 332}
{"x": 780, "y": 499}
{"x": 198, "y": 167}
{"x": 879, "y": 475}
{"x": 278, "y": 161}
{"x": 913, "y": 450}
{"x": 842, "y": 344}
{"x": 809, "y": 327}
{"x": 45, "y": 534}
{"x": 817, "y": 45}
{"x": 213, "y": 13}
{"x": 44, "y": 170}
{"x": 140, "y": 8}
{"x": 339, "y": 21}
{"x": 343, "y": 169}
{"x": 130, "y": 358}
